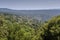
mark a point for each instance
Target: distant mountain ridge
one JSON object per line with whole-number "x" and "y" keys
{"x": 44, "y": 14}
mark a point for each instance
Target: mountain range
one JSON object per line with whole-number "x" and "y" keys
{"x": 37, "y": 14}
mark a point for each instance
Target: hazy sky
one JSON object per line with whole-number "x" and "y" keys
{"x": 30, "y": 4}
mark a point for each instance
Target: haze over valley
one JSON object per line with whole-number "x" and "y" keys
{"x": 36, "y": 14}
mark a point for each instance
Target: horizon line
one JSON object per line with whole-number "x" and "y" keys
{"x": 32, "y": 9}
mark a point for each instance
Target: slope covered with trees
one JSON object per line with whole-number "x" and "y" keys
{"x": 14, "y": 27}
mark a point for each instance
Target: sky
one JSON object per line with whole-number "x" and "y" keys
{"x": 30, "y": 4}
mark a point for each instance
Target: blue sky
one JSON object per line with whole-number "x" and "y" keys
{"x": 30, "y": 4}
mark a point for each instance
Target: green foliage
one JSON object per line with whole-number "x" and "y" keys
{"x": 52, "y": 29}
{"x": 13, "y": 27}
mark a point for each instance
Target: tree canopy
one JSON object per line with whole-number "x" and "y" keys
{"x": 13, "y": 27}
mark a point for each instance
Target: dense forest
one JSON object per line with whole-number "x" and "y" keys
{"x": 14, "y": 27}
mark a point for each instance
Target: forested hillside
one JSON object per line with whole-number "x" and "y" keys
{"x": 36, "y": 14}
{"x": 14, "y": 27}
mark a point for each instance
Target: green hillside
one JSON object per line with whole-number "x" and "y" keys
{"x": 14, "y": 27}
